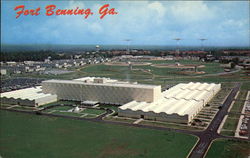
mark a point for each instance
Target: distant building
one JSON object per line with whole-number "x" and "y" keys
{"x": 11, "y": 63}
{"x": 47, "y": 60}
{"x": 3, "y": 72}
{"x": 29, "y": 62}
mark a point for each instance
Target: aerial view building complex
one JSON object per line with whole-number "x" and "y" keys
{"x": 178, "y": 104}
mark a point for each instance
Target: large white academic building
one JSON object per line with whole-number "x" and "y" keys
{"x": 102, "y": 90}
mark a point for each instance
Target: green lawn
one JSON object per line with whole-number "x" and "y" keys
{"x": 28, "y": 136}
{"x": 168, "y": 125}
{"x": 228, "y": 133}
{"x": 224, "y": 148}
{"x": 93, "y": 111}
{"x": 58, "y": 108}
{"x": 246, "y": 86}
{"x": 68, "y": 113}
{"x": 136, "y": 74}
{"x": 231, "y": 123}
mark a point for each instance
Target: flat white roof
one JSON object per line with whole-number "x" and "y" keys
{"x": 91, "y": 79}
{"x": 27, "y": 93}
{"x": 115, "y": 84}
{"x": 90, "y": 102}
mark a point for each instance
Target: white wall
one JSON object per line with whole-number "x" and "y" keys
{"x": 101, "y": 92}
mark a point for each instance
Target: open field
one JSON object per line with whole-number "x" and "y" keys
{"x": 64, "y": 110}
{"x": 230, "y": 126}
{"x": 164, "y": 72}
{"x": 93, "y": 111}
{"x": 151, "y": 75}
{"x": 111, "y": 70}
{"x": 28, "y": 136}
{"x": 224, "y": 148}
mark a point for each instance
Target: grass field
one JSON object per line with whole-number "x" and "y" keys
{"x": 63, "y": 108}
{"x": 160, "y": 76}
{"x": 224, "y": 148}
{"x": 231, "y": 124}
{"x": 29, "y": 136}
{"x": 107, "y": 70}
{"x": 93, "y": 111}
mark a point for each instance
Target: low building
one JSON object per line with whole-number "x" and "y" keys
{"x": 27, "y": 97}
{"x": 180, "y": 103}
{"x": 3, "y": 72}
{"x": 11, "y": 63}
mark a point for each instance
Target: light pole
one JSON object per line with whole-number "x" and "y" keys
{"x": 177, "y": 45}
{"x": 202, "y": 40}
{"x": 127, "y": 40}
{"x": 97, "y": 48}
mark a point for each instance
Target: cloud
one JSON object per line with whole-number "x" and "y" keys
{"x": 73, "y": 4}
{"x": 191, "y": 11}
{"x": 145, "y": 22}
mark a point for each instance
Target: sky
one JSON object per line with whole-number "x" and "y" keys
{"x": 222, "y": 23}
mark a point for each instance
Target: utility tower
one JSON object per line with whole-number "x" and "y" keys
{"x": 177, "y": 45}
{"x": 202, "y": 43}
{"x": 128, "y": 43}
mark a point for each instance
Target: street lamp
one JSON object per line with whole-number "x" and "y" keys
{"x": 177, "y": 45}
{"x": 202, "y": 40}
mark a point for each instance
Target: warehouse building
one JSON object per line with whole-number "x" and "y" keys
{"x": 27, "y": 97}
{"x": 180, "y": 103}
{"x": 103, "y": 90}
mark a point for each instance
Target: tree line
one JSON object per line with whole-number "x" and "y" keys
{"x": 32, "y": 55}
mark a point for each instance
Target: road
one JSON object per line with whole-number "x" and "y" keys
{"x": 210, "y": 133}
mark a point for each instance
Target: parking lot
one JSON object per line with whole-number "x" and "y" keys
{"x": 19, "y": 83}
{"x": 244, "y": 121}
{"x": 206, "y": 115}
